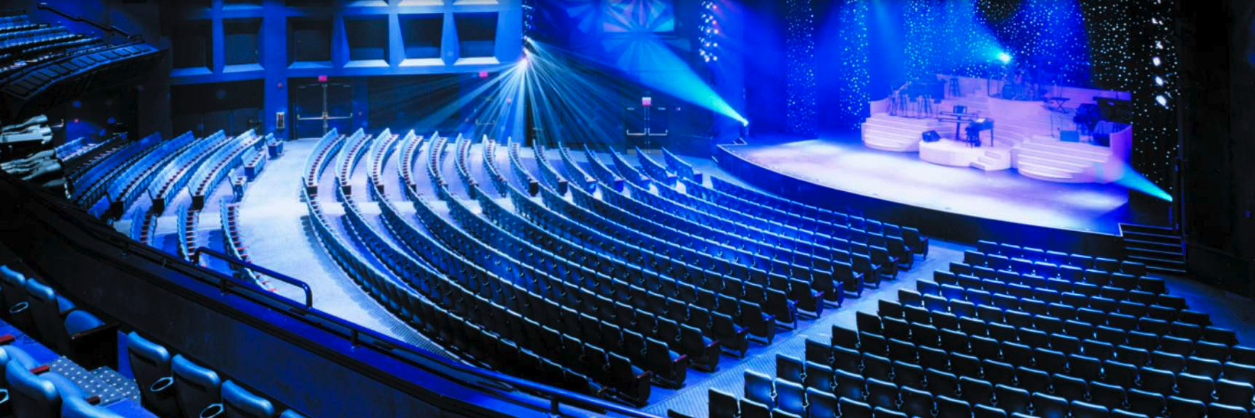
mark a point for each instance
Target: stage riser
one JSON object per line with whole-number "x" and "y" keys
{"x": 944, "y": 225}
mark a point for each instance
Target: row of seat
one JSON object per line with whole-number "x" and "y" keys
{"x": 127, "y": 186}
{"x": 995, "y": 251}
{"x": 220, "y": 164}
{"x": 38, "y": 310}
{"x": 168, "y": 182}
{"x": 174, "y": 386}
{"x": 384, "y": 148}
{"x": 318, "y": 159}
{"x": 680, "y": 167}
{"x": 93, "y": 184}
{"x": 352, "y": 152}
{"x": 656, "y": 171}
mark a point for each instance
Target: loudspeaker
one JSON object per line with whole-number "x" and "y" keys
{"x": 931, "y": 136}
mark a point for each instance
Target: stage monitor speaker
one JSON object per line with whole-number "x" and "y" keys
{"x": 1069, "y": 136}
{"x": 931, "y": 136}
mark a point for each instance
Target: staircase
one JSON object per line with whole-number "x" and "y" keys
{"x": 994, "y": 160}
{"x": 1045, "y": 158}
{"x": 1159, "y": 248}
{"x": 896, "y": 134}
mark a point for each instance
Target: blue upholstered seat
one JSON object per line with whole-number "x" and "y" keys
{"x": 239, "y": 402}
{"x": 196, "y": 388}
{"x": 150, "y": 363}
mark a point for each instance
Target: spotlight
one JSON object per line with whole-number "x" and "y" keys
{"x": 1159, "y": 81}
{"x": 1004, "y": 57}
{"x": 1163, "y": 101}
{"x": 1156, "y": 61}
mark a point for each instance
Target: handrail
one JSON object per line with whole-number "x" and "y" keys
{"x": 309, "y": 294}
{"x": 357, "y": 334}
{"x": 114, "y": 29}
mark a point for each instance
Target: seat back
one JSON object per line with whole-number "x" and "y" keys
{"x": 150, "y": 364}
{"x": 723, "y": 404}
{"x": 12, "y": 285}
{"x": 31, "y": 396}
{"x": 238, "y": 402}
{"x": 196, "y": 387}
{"x": 47, "y": 315}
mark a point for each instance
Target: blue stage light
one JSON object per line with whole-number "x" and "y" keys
{"x": 1004, "y": 57}
{"x": 1136, "y": 181}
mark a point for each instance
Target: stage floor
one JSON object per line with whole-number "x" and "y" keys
{"x": 903, "y": 178}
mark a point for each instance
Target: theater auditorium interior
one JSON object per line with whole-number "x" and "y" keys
{"x": 627, "y": 208}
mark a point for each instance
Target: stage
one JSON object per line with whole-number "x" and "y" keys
{"x": 937, "y": 198}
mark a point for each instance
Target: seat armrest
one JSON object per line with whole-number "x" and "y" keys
{"x": 7, "y": 339}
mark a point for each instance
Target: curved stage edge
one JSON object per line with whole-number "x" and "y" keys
{"x": 944, "y": 225}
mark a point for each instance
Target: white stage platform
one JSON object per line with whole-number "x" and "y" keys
{"x": 1026, "y": 137}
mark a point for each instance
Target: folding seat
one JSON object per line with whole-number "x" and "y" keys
{"x": 703, "y": 352}
{"x": 1091, "y": 316}
{"x": 818, "y": 352}
{"x": 1192, "y": 386}
{"x": 806, "y": 298}
{"x": 1143, "y": 340}
{"x": 1137, "y": 310}
{"x": 854, "y": 409}
{"x": 1033, "y": 338}
{"x": 1045, "y": 269}
{"x": 987, "y": 247}
{"x": 849, "y": 385}
{"x": 1098, "y": 349}
{"x": 677, "y": 310}
{"x": 751, "y": 409}
{"x": 1034, "y": 307}
{"x": 1003, "y": 332}
{"x": 872, "y": 343}
{"x": 984, "y": 347}
{"x": 1171, "y": 302}
{"x": 965, "y": 365}
{"x": 1147, "y": 403}
{"x": 952, "y": 292}
{"x": 1069, "y": 387}
{"x": 699, "y": 317}
{"x": 998, "y": 262}
{"x": 960, "y": 268}
{"x": 1006, "y": 302}
{"x": 1204, "y": 367}
{"x": 1081, "y": 409}
{"x": 917, "y": 315}
{"x": 917, "y": 403}
{"x": 1142, "y": 297}
{"x": 926, "y": 287}
{"x": 1157, "y": 381}
{"x": 1195, "y": 317}
{"x": 727, "y": 305}
{"x": 1012, "y": 399}
{"x": 945, "y": 277}
{"x": 790, "y": 368}
{"x": 760, "y": 324}
{"x": 1150, "y": 325}
{"x": 896, "y": 328}
{"x": 1090, "y": 290}
{"x": 197, "y": 389}
{"x": 997, "y": 372}
{"x": 952, "y": 340}
{"x": 882, "y": 394}
{"x": 962, "y": 308}
{"x": 867, "y": 322}
{"x": 1119, "y": 373}
{"x": 1132, "y": 355}
{"x": 1176, "y": 345}
{"x": 731, "y": 336}
{"x": 1071, "y": 273}
{"x": 877, "y": 366}
{"x": 822, "y": 403}
{"x": 973, "y": 326}
{"x": 1218, "y": 335}
{"x": 934, "y": 358}
{"x": 1034, "y": 380}
{"x": 984, "y": 272}
{"x": 1007, "y": 276}
{"x": 1110, "y": 396}
{"x": 983, "y": 288}
{"x": 1218, "y": 410}
{"x": 1048, "y": 406}
{"x": 791, "y": 398}
{"x": 925, "y": 335}
{"x": 1019, "y": 291}
{"x": 1021, "y": 265}
{"x": 902, "y": 350}
{"x": 936, "y": 303}
{"x": 1016, "y": 353}
{"x": 945, "y": 320}
{"x": 844, "y": 337}
{"x": 1186, "y": 408}
{"x": 1162, "y": 360}
{"x": 1235, "y": 393}
{"x": 1151, "y": 284}
{"x": 1050, "y": 361}
{"x": 989, "y": 313}
{"x": 1097, "y": 277}
{"x": 239, "y": 402}
{"x": 150, "y": 364}
{"x": 942, "y": 383}
{"x": 1064, "y": 344}
{"x": 1242, "y": 354}
{"x": 948, "y": 407}
{"x": 722, "y": 404}
{"x": 976, "y": 391}
{"x": 909, "y": 297}
{"x": 908, "y": 375}
{"x": 760, "y": 388}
